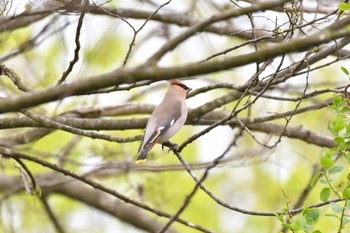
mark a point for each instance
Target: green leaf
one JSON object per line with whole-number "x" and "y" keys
{"x": 286, "y": 225}
{"x": 312, "y": 216}
{"x": 344, "y": 109}
{"x": 324, "y": 181}
{"x": 345, "y": 71}
{"x": 335, "y": 169}
{"x": 326, "y": 161}
{"x": 339, "y": 140}
{"x": 347, "y": 157}
{"x": 325, "y": 193}
{"x": 284, "y": 209}
{"x": 332, "y": 215}
{"x": 347, "y": 205}
{"x": 330, "y": 126}
{"x": 346, "y": 193}
{"x": 343, "y": 6}
{"x": 337, "y": 100}
{"x": 315, "y": 178}
{"x": 299, "y": 223}
{"x": 345, "y": 220}
{"x": 317, "y": 231}
{"x": 280, "y": 217}
{"x": 338, "y": 123}
{"x": 336, "y": 208}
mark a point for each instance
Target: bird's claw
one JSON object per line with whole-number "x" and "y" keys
{"x": 170, "y": 145}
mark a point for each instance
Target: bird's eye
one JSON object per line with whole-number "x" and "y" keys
{"x": 186, "y": 88}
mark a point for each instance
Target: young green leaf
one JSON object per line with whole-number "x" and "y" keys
{"x": 347, "y": 157}
{"x": 344, "y": 109}
{"x": 344, "y": 6}
{"x": 326, "y": 161}
{"x": 335, "y": 169}
{"x": 312, "y": 216}
{"x": 324, "y": 181}
{"x": 332, "y": 215}
{"x": 338, "y": 123}
{"x": 345, "y": 71}
{"x": 299, "y": 223}
{"x": 336, "y": 100}
{"x": 339, "y": 140}
{"x": 315, "y": 178}
{"x": 346, "y": 193}
{"x": 345, "y": 220}
{"x": 336, "y": 207}
{"x": 325, "y": 193}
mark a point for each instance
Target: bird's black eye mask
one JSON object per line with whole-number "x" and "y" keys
{"x": 183, "y": 86}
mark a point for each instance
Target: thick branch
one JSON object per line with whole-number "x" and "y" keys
{"x": 101, "y": 201}
{"x": 57, "y": 184}
{"x": 297, "y": 132}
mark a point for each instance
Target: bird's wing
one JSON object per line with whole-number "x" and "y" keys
{"x": 158, "y": 131}
{"x": 154, "y": 138}
{"x": 155, "y": 129}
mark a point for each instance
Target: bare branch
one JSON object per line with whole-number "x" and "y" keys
{"x": 77, "y": 44}
{"x": 59, "y": 228}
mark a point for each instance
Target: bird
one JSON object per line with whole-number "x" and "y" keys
{"x": 166, "y": 119}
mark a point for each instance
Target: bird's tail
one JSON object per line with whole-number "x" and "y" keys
{"x": 144, "y": 151}
{"x": 143, "y": 155}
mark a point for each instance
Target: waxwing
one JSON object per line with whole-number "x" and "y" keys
{"x": 167, "y": 118}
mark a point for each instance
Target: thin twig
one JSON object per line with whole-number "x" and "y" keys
{"x": 188, "y": 198}
{"x": 244, "y": 211}
{"x": 59, "y": 228}
{"x": 34, "y": 188}
{"x": 15, "y": 78}
{"x": 77, "y": 45}
{"x": 133, "y": 40}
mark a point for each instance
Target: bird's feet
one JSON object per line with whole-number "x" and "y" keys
{"x": 170, "y": 145}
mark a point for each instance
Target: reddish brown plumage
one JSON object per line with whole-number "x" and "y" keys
{"x": 175, "y": 82}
